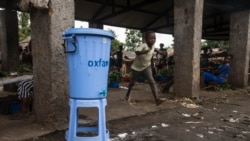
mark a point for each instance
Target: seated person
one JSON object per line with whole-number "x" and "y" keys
{"x": 220, "y": 74}
{"x": 25, "y": 94}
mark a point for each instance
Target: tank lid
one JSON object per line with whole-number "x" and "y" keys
{"x": 88, "y": 31}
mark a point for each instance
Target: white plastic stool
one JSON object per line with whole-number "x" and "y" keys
{"x": 71, "y": 133}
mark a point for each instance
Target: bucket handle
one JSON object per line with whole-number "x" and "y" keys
{"x": 73, "y": 37}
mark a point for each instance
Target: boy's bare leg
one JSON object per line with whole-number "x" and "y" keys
{"x": 148, "y": 74}
{"x": 127, "y": 96}
{"x": 131, "y": 84}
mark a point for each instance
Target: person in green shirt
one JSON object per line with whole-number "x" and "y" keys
{"x": 142, "y": 66}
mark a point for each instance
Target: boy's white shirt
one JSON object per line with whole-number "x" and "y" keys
{"x": 143, "y": 61}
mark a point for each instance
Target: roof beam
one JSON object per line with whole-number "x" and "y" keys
{"x": 160, "y": 27}
{"x": 158, "y": 17}
{"x": 9, "y": 4}
{"x": 124, "y": 9}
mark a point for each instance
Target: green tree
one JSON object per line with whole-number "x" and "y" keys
{"x": 222, "y": 45}
{"x": 133, "y": 39}
{"x": 24, "y": 29}
{"x": 114, "y": 43}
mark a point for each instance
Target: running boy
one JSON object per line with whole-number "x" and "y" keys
{"x": 142, "y": 66}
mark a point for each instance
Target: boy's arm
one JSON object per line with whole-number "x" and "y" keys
{"x": 141, "y": 52}
{"x": 142, "y": 49}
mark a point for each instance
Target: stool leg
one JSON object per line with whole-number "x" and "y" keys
{"x": 102, "y": 119}
{"x": 73, "y": 120}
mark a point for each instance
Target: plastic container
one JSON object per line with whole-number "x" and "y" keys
{"x": 88, "y": 53}
{"x": 114, "y": 85}
{"x": 15, "y": 107}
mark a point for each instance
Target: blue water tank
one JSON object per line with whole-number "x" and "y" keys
{"x": 88, "y": 53}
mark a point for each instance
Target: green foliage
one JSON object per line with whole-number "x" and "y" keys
{"x": 166, "y": 72}
{"x": 218, "y": 87}
{"x": 222, "y": 45}
{"x": 114, "y": 76}
{"x": 114, "y": 43}
{"x": 224, "y": 86}
{"x": 24, "y": 69}
{"x": 113, "y": 32}
{"x": 133, "y": 39}
{"x": 3, "y": 74}
{"x": 24, "y": 29}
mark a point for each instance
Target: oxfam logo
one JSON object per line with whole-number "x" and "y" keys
{"x": 98, "y": 63}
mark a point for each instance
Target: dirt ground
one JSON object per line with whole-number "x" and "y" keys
{"x": 216, "y": 116}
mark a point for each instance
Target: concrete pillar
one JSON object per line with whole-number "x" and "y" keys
{"x": 95, "y": 25}
{"x": 239, "y": 46}
{"x": 3, "y": 41}
{"x": 9, "y": 40}
{"x": 187, "y": 44}
{"x": 49, "y": 63}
